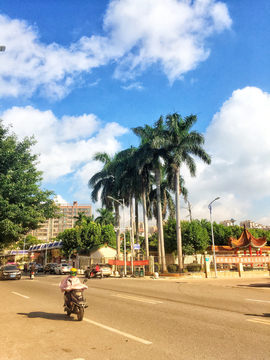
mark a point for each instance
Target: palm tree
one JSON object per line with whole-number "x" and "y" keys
{"x": 150, "y": 161}
{"x": 105, "y": 181}
{"x": 181, "y": 143}
{"x": 127, "y": 176}
{"x": 106, "y": 217}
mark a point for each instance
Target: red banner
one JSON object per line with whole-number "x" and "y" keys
{"x": 244, "y": 260}
{"x": 128, "y": 263}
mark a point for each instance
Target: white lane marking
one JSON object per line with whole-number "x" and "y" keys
{"x": 260, "y": 321}
{"x": 258, "y": 300}
{"x": 138, "y": 299}
{"x": 118, "y": 332}
{"x": 27, "y": 297}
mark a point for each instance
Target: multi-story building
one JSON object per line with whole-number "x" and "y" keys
{"x": 252, "y": 225}
{"x": 228, "y": 222}
{"x": 52, "y": 227}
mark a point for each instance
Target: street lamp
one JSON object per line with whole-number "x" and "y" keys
{"x": 213, "y": 241}
{"x": 125, "y": 253}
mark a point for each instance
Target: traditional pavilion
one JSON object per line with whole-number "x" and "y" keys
{"x": 247, "y": 241}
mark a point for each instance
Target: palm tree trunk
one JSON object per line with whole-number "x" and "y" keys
{"x": 131, "y": 223}
{"x": 178, "y": 223}
{"x": 159, "y": 247}
{"x": 137, "y": 220}
{"x": 160, "y": 224}
{"x": 117, "y": 224}
{"x": 145, "y": 224}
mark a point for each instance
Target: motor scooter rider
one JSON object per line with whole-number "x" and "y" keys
{"x": 32, "y": 269}
{"x": 72, "y": 282}
{"x": 97, "y": 269}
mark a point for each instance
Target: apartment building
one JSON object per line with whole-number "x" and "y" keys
{"x": 52, "y": 227}
{"x": 228, "y": 222}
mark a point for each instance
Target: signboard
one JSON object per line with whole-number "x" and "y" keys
{"x": 244, "y": 260}
{"x": 136, "y": 246}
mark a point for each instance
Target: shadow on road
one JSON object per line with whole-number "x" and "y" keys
{"x": 48, "y": 316}
{"x": 261, "y": 315}
{"x": 257, "y": 285}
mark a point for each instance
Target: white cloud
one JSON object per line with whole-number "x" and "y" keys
{"x": 134, "y": 86}
{"x": 139, "y": 33}
{"x": 59, "y": 200}
{"x": 65, "y": 145}
{"x": 238, "y": 140}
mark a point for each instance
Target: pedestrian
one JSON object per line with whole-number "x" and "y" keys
{"x": 25, "y": 267}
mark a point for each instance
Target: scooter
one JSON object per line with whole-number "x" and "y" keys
{"x": 32, "y": 275}
{"x": 97, "y": 274}
{"x": 75, "y": 303}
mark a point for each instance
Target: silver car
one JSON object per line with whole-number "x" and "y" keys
{"x": 62, "y": 269}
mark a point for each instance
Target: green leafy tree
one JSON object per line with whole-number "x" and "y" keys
{"x": 108, "y": 235}
{"x": 29, "y": 241}
{"x": 23, "y": 204}
{"x": 71, "y": 239}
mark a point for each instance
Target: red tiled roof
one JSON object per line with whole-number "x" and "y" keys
{"x": 247, "y": 239}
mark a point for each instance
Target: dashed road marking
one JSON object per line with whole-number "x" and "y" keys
{"x": 129, "y": 297}
{"x": 118, "y": 332}
{"x": 27, "y": 297}
{"x": 258, "y": 300}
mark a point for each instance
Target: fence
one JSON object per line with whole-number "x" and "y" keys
{"x": 223, "y": 263}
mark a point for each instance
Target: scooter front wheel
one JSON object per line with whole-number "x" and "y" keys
{"x": 80, "y": 314}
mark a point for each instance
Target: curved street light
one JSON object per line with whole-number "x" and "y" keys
{"x": 213, "y": 241}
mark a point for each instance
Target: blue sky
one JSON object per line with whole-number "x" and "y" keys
{"x": 78, "y": 75}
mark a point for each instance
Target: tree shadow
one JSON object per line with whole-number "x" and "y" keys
{"x": 261, "y": 315}
{"x": 256, "y": 285}
{"x": 48, "y": 316}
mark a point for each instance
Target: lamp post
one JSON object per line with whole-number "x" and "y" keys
{"x": 213, "y": 241}
{"x": 125, "y": 253}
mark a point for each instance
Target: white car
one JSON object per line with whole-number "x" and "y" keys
{"x": 62, "y": 269}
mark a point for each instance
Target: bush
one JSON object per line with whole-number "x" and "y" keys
{"x": 173, "y": 268}
{"x": 157, "y": 267}
{"x": 194, "y": 267}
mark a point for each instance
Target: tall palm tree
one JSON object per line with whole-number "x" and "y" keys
{"x": 128, "y": 176}
{"x": 150, "y": 161}
{"x": 105, "y": 181}
{"x": 182, "y": 143}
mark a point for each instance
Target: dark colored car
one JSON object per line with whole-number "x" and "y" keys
{"x": 10, "y": 272}
{"x": 49, "y": 268}
{"x": 105, "y": 268}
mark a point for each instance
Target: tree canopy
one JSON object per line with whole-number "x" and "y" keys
{"x": 23, "y": 204}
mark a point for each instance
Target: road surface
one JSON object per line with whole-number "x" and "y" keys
{"x": 137, "y": 319}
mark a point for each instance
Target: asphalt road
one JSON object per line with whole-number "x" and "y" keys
{"x": 137, "y": 319}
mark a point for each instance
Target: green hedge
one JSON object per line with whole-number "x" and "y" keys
{"x": 173, "y": 268}
{"x": 194, "y": 267}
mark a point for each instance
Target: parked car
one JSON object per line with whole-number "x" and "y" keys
{"x": 40, "y": 267}
{"x": 49, "y": 268}
{"x": 10, "y": 272}
{"x": 62, "y": 269}
{"x": 105, "y": 268}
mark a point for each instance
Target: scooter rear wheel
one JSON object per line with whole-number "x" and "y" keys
{"x": 80, "y": 314}
{"x": 68, "y": 312}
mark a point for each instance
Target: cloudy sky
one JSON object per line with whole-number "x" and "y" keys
{"x": 78, "y": 75}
